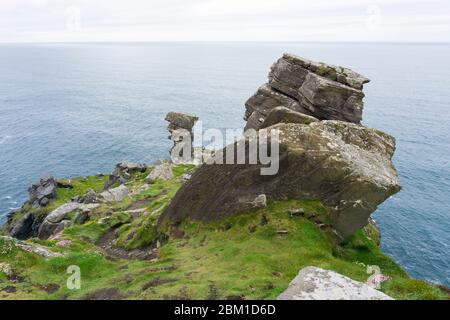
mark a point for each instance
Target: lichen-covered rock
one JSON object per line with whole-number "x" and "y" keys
{"x": 346, "y": 166}
{"x": 179, "y": 120}
{"x": 180, "y": 128}
{"x": 163, "y": 171}
{"x": 317, "y": 89}
{"x": 38, "y": 249}
{"x": 318, "y": 284}
{"x": 55, "y": 221}
{"x": 116, "y": 194}
{"x": 262, "y": 103}
{"x": 42, "y": 191}
{"x": 286, "y": 115}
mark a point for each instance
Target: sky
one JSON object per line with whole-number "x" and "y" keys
{"x": 224, "y": 20}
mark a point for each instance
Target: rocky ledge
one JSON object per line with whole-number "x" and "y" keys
{"x": 321, "y": 90}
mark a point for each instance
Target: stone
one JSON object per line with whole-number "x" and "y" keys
{"x": 122, "y": 173}
{"x": 58, "y": 219}
{"x": 331, "y": 100}
{"x": 317, "y": 284}
{"x": 297, "y": 212}
{"x": 262, "y": 103}
{"x": 22, "y": 229}
{"x": 180, "y": 128}
{"x": 42, "y": 191}
{"x": 346, "y": 166}
{"x": 62, "y": 212}
{"x": 115, "y": 195}
{"x": 181, "y": 120}
{"x": 90, "y": 197}
{"x": 163, "y": 172}
{"x": 323, "y": 91}
{"x": 186, "y": 177}
{"x": 286, "y": 115}
{"x": 81, "y": 217}
{"x": 38, "y": 249}
{"x": 64, "y": 184}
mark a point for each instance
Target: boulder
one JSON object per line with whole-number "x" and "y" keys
{"x": 162, "y": 171}
{"x": 346, "y": 166}
{"x": 56, "y": 221}
{"x": 323, "y": 91}
{"x": 63, "y": 211}
{"x": 122, "y": 173}
{"x": 38, "y": 249}
{"x": 179, "y": 120}
{"x": 22, "y": 229}
{"x": 116, "y": 194}
{"x": 318, "y": 284}
{"x": 42, "y": 191}
{"x": 180, "y": 128}
{"x": 90, "y": 197}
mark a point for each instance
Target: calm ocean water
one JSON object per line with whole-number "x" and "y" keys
{"x": 71, "y": 110}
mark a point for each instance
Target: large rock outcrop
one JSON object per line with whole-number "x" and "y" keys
{"x": 180, "y": 128}
{"x": 42, "y": 192}
{"x": 324, "y": 153}
{"x": 321, "y": 90}
{"x": 318, "y": 284}
{"x": 60, "y": 218}
{"x": 346, "y": 166}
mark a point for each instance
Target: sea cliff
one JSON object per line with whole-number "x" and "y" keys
{"x": 220, "y": 231}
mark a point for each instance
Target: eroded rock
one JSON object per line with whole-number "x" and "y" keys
{"x": 42, "y": 191}
{"x": 59, "y": 219}
{"x": 180, "y": 128}
{"x": 116, "y": 194}
{"x": 317, "y": 284}
{"x": 320, "y": 90}
{"x": 163, "y": 171}
{"x": 122, "y": 173}
{"x": 346, "y": 166}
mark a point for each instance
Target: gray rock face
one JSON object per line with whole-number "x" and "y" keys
{"x": 162, "y": 171}
{"x": 346, "y": 166}
{"x": 22, "y": 229}
{"x": 122, "y": 173}
{"x": 317, "y": 89}
{"x": 318, "y": 284}
{"x": 53, "y": 223}
{"x": 180, "y": 126}
{"x": 42, "y": 191}
{"x": 286, "y": 115}
{"x": 38, "y": 249}
{"x": 116, "y": 194}
{"x": 179, "y": 120}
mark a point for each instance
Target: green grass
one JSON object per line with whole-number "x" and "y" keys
{"x": 241, "y": 256}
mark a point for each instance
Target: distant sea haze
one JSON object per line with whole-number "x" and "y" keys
{"x": 77, "y": 109}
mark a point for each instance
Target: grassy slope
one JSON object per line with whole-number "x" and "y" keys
{"x": 239, "y": 257}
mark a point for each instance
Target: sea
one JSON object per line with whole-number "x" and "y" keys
{"x": 77, "y": 109}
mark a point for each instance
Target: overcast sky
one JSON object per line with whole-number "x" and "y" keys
{"x": 224, "y": 20}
